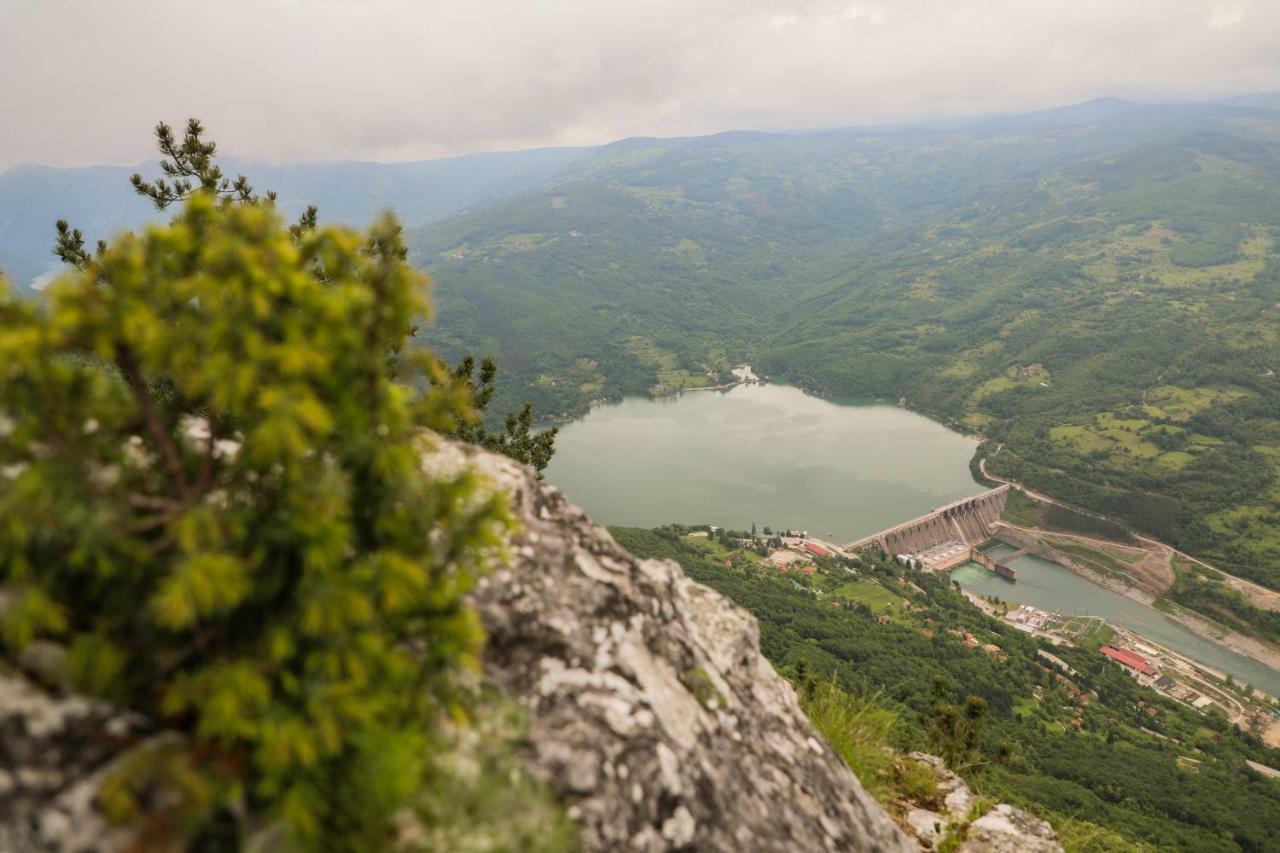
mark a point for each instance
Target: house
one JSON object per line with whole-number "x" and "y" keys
{"x": 816, "y": 549}
{"x": 1129, "y": 660}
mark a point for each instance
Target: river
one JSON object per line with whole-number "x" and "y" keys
{"x": 764, "y": 454}
{"x": 1050, "y": 587}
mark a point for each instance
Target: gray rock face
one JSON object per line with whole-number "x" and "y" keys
{"x": 651, "y": 709}
{"x": 1005, "y": 829}
{"x": 1001, "y": 829}
{"x": 54, "y": 753}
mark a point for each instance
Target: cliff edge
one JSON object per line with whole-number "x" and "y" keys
{"x": 651, "y": 711}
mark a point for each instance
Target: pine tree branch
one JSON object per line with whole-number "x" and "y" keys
{"x": 132, "y": 372}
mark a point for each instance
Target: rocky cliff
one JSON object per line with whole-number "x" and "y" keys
{"x": 651, "y": 711}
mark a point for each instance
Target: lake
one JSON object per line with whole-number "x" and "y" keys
{"x": 773, "y": 455}
{"x": 1051, "y": 587}
{"x": 764, "y": 454}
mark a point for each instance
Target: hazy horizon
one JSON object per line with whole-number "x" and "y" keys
{"x": 237, "y": 159}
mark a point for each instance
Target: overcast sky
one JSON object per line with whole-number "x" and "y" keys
{"x": 85, "y": 80}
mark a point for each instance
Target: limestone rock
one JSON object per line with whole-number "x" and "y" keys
{"x": 1002, "y": 829}
{"x": 651, "y": 709}
{"x": 928, "y": 826}
{"x": 1006, "y": 829}
{"x": 54, "y": 753}
{"x": 956, "y": 797}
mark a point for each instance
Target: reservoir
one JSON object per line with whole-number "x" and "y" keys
{"x": 773, "y": 455}
{"x": 1050, "y": 587}
{"x": 763, "y": 454}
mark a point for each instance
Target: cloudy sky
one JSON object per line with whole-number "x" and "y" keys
{"x": 84, "y": 80}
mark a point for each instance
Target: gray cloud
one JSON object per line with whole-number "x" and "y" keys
{"x": 83, "y": 80}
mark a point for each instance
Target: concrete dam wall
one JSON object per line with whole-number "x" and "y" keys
{"x": 968, "y": 521}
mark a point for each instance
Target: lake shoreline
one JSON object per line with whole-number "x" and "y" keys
{"x": 764, "y": 452}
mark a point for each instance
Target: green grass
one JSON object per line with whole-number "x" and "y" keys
{"x": 1179, "y": 404}
{"x": 1031, "y": 377}
{"x": 859, "y": 731}
{"x": 872, "y": 594}
{"x": 1092, "y": 558}
{"x": 1021, "y": 510}
{"x": 1081, "y": 836}
{"x": 1097, "y": 635}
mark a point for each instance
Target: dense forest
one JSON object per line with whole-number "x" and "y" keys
{"x": 1111, "y": 764}
{"x": 1090, "y": 289}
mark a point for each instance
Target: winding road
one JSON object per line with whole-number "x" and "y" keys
{"x": 1261, "y": 596}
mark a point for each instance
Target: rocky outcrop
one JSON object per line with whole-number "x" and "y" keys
{"x": 54, "y": 754}
{"x": 993, "y": 829}
{"x": 1005, "y": 829}
{"x": 650, "y": 710}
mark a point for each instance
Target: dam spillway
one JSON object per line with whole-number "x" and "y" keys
{"x": 942, "y": 536}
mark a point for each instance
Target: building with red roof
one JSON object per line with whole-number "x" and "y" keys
{"x": 814, "y": 548}
{"x": 1132, "y": 660}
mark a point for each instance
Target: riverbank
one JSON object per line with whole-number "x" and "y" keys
{"x": 1050, "y": 601}
{"x": 1075, "y": 567}
{"x": 1251, "y": 647}
{"x": 1258, "y": 649}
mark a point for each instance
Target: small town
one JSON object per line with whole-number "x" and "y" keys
{"x": 1154, "y": 666}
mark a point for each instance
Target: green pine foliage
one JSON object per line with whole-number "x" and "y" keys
{"x": 517, "y": 438}
{"x": 212, "y": 494}
{"x": 191, "y": 168}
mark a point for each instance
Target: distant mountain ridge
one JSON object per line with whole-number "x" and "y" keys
{"x": 1044, "y": 280}
{"x": 99, "y": 200}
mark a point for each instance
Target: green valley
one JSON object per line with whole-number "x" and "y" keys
{"x": 1092, "y": 290}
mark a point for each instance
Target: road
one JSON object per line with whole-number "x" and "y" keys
{"x": 1259, "y": 593}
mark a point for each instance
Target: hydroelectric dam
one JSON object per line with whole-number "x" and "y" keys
{"x": 946, "y": 537}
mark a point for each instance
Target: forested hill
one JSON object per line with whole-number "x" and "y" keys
{"x": 1112, "y": 765}
{"x": 98, "y": 199}
{"x": 1094, "y": 288}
